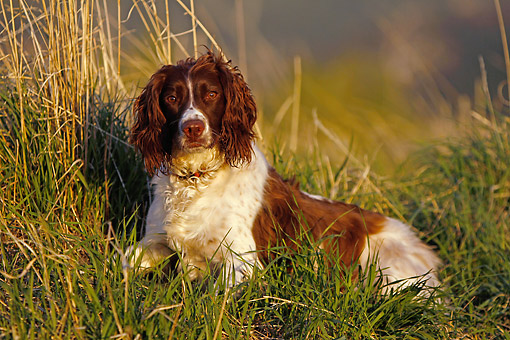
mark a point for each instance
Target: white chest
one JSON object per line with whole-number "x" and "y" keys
{"x": 217, "y": 209}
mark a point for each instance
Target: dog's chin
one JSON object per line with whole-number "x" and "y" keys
{"x": 195, "y": 147}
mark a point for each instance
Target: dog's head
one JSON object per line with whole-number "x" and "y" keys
{"x": 192, "y": 107}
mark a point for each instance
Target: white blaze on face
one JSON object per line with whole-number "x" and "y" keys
{"x": 192, "y": 113}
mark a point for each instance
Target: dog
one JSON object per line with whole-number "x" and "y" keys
{"x": 217, "y": 201}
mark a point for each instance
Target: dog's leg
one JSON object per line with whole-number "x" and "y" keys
{"x": 154, "y": 246}
{"x": 237, "y": 267}
{"x": 195, "y": 265}
{"x": 149, "y": 251}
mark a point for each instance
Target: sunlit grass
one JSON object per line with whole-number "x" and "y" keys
{"x": 73, "y": 196}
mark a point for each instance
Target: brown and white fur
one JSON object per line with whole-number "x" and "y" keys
{"x": 218, "y": 201}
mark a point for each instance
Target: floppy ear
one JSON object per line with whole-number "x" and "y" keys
{"x": 239, "y": 118}
{"x": 146, "y": 132}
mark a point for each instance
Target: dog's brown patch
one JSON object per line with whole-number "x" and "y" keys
{"x": 287, "y": 215}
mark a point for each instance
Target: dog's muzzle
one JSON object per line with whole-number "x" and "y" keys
{"x": 194, "y": 130}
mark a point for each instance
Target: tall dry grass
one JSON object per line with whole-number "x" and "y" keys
{"x": 61, "y": 60}
{"x": 66, "y": 173}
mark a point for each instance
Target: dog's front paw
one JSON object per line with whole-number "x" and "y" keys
{"x": 146, "y": 256}
{"x": 134, "y": 257}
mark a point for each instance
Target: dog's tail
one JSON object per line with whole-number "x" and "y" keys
{"x": 401, "y": 255}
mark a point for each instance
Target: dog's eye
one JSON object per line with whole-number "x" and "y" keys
{"x": 212, "y": 94}
{"x": 171, "y": 99}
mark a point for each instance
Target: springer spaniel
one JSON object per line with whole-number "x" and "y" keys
{"x": 218, "y": 201}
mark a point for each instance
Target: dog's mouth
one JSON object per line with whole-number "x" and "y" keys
{"x": 194, "y": 145}
{"x": 186, "y": 145}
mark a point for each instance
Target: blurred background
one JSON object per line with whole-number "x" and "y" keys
{"x": 382, "y": 75}
{"x": 373, "y": 78}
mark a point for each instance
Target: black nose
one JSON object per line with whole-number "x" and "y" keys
{"x": 193, "y": 128}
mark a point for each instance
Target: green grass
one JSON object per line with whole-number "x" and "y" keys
{"x": 59, "y": 276}
{"x": 73, "y": 196}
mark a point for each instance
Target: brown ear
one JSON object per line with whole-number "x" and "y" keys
{"x": 240, "y": 115}
{"x": 146, "y": 132}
